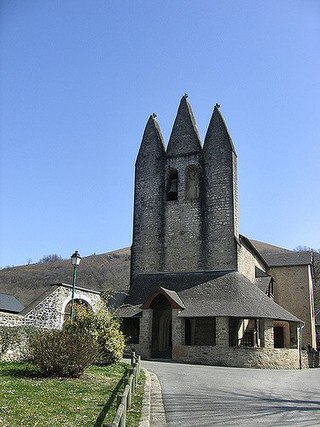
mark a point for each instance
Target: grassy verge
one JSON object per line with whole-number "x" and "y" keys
{"x": 30, "y": 400}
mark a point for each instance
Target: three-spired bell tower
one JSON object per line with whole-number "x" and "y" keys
{"x": 186, "y": 201}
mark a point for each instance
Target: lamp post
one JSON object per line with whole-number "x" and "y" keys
{"x": 75, "y": 261}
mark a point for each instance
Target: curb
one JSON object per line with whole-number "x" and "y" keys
{"x": 153, "y": 413}
{"x": 146, "y": 401}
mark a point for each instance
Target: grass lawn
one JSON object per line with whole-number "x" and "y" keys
{"x": 27, "y": 399}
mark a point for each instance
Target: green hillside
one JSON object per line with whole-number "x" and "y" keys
{"x": 98, "y": 272}
{"x": 109, "y": 271}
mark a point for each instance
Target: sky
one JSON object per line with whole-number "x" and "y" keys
{"x": 79, "y": 79}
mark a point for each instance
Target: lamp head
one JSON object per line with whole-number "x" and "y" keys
{"x": 75, "y": 258}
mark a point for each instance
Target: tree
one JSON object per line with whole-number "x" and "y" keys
{"x": 50, "y": 258}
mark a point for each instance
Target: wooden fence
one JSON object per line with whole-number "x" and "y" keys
{"x": 124, "y": 399}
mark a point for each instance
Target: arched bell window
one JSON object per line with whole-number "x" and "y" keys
{"x": 192, "y": 182}
{"x": 172, "y": 185}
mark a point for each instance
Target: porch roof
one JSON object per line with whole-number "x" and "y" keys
{"x": 217, "y": 293}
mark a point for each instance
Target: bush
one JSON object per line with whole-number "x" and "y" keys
{"x": 62, "y": 353}
{"x": 104, "y": 328}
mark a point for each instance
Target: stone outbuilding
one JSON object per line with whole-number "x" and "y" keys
{"x": 50, "y": 309}
{"x": 201, "y": 292}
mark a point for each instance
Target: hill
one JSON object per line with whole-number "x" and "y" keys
{"x": 98, "y": 272}
{"x": 109, "y": 271}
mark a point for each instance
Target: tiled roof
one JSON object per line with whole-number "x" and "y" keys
{"x": 224, "y": 293}
{"x": 10, "y": 303}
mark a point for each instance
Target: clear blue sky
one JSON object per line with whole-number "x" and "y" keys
{"x": 79, "y": 79}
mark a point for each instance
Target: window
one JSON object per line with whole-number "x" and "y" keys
{"x": 244, "y": 332}
{"x": 131, "y": 328}
{"x": 192, "y": 183}
{"x": 172, "y": 185}
{"x": 200, "y": 331}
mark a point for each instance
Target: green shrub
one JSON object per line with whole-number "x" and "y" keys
{"x": 104, "y": 328}
{"x": 62, "y": 353}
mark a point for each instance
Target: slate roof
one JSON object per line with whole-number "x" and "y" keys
{"x": 10, "y": 303}
{"x": 172, "y": 296}
{"x": 263, "y": 247}
{"x": 283, "y": 259}
{"x": 276, "y": 256}
{"x": 263, "y": 283}
{"x": 219, "y": 293}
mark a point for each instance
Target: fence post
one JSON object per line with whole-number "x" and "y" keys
{"x": 139, "y": 364}
{"x": 122, "y": 401}
{"x": 130, "y": 390}
{"x": 133, "y": 357}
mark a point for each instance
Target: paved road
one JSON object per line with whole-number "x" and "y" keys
{"x": 218, "y": 396}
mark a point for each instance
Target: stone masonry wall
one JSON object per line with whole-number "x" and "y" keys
{"x": 182, "y": 224}
{"x": 279, "y": 358}
{"x": 221, "y": 201}
{"x": 247, "y": 263}
{"x": 10, "y": 319}
{"x": 49, "y": 313}
{"x": 291, "y": 292}
{"x": 145, "y": 336}
{"x": 147, "y": 245}
{"x": 223, "y": 355}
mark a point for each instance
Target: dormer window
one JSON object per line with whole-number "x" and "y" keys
{"x": 172, "y": 185}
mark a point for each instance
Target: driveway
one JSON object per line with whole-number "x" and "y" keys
{"x": 217, "y": 396}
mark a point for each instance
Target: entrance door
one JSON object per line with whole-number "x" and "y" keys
{"x": 161, "y": 328}
{"x": 278, "y": 337}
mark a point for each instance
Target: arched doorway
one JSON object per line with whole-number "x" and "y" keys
{"x": 161, "y": 328}
{"x": 78, "y": 303}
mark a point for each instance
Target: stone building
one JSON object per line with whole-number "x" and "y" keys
{"x": 49, "y": 310}
{"x": 200, "y": 291}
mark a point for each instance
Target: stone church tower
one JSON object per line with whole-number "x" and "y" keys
{"x": 186, "y": 203}
{"x": 199, "y": 291}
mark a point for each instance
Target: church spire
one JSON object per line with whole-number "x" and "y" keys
{"x": 152, "y": 141}
{"x": 184, "y": 138}
{"x": 217, "y": 133}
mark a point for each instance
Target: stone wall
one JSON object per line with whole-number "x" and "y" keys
{"x": 10, "y": 319}
{"x": 48, "y": 313}
{"x": 280, "y": 358}
{"x": 182, "y": 220}
{"x": 143, "y": 348}
{"x": 293, "y": 290}
{"x": 147, "y": 245}
{"x": 220, "y": 163}
{"x": 247, "y": 263}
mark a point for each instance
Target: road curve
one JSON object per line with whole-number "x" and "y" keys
{"x": 196, "y": 395}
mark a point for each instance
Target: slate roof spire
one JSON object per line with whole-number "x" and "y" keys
{"x": 184, "y": 138}
{"x": 152, "y": 141}
{"x": 217, "y": 132}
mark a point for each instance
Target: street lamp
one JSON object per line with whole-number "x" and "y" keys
{"x": 75, "y": 261}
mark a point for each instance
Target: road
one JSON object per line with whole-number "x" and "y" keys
{"x": 218, "y": 396}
